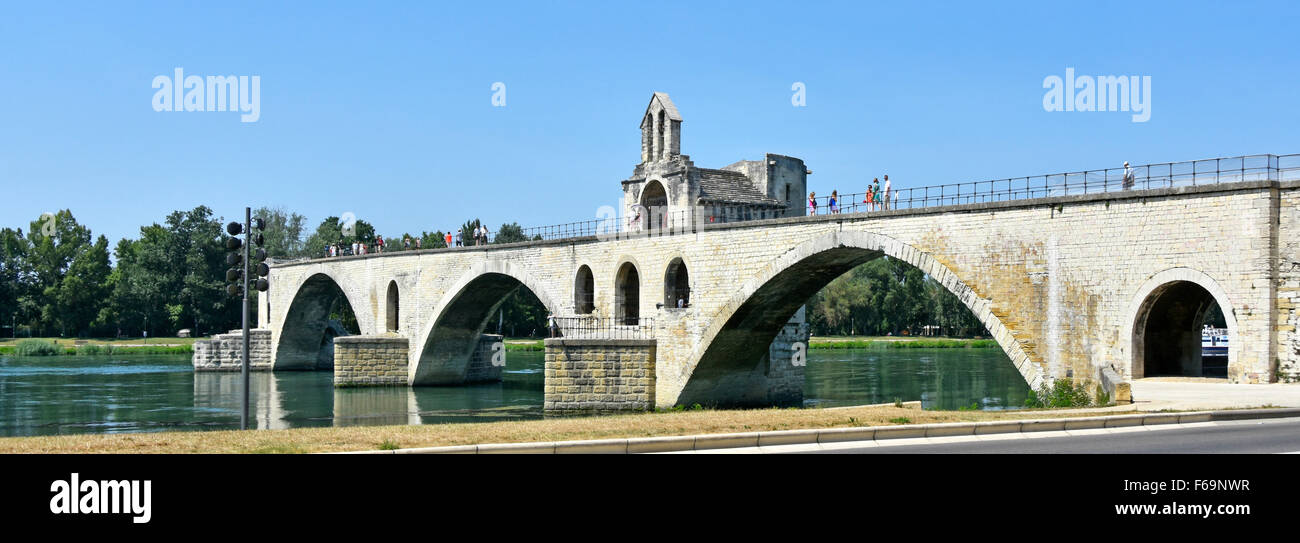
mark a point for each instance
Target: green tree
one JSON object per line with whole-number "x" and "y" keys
{"x": 197, "y": 241}
{"x": 83, "y": 291}
{"x": 510, "y": 233}
{"x": 15, "y": 277}
{"x": 54, "y": 241}
{"x": 838, "y": 303}
{"x": 283, "y": 233}
{"x": 434, "y": 240}
{"x": 887, "y": 296}
{"x": 520, "y": 315}
{"x": 330, "y": 231}
{"x": 138, "y": 283}
{"x": 467, "y": 231}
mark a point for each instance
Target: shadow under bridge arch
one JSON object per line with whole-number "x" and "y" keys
{"x": 320, "y": 311}
{"x": 448, "y": 342}
{"x": 734, "y": 350}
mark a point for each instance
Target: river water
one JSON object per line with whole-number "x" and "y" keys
{"x": 147, "y": 393}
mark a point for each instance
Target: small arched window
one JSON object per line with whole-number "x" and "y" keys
{"x": 584, "y": 291}
{"x": 393, "y": 303}
{"x": 677, "y": 285}
{"x": 663, "y": 136}
{"x": 627, "y": 294}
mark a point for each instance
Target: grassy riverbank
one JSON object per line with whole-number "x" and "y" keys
{"x": 95, "y": 347}
{"x": 355, "y": 438}
{"x": 525, "y": 344}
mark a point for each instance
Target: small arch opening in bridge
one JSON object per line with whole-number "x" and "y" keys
{"x": 584, "y": 291}
{"x": 393, "y": 321}
{"x": 677, "y": 285}
{"x": 319, "y": 312}
{"x": 627, "y": 294}
{"x": 1180, "y": 331}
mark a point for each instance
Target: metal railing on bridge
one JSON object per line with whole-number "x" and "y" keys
{"x": 603, "y": 328}
{"x": 1144, "y": 176}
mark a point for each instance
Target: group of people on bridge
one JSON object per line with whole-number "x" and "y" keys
{"x": 875, "y": 198}
{"x": 480, "y": 236}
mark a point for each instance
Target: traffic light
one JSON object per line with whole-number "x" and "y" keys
{"x": 259, "y": 255}
{"x": 235, "y": 259}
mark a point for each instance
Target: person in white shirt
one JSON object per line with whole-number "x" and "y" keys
{"x": 1128, "y": 176}
{"x": 885, "y": 201}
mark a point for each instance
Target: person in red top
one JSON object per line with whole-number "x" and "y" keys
{"x": 448, "y": 239}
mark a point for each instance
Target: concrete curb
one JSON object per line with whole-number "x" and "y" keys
{"x": 832, "y": 435}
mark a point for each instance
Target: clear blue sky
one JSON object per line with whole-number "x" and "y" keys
{"x": 384, "y": 109}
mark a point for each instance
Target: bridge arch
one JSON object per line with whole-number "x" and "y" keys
{"x": 442, "y": 350}
{"x": 1160, "y": 298}
{"x": 306, "y": 337}
{"x": 744, "y": 326}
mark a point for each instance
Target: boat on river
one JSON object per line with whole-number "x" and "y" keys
{"x": 1214, "y": 341}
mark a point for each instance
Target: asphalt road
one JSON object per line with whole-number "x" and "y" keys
{"x": 1247, "y": 436}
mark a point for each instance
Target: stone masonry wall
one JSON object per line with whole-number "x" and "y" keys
{"x": 1288, "y": 284}
{"x": 370, "y": 360}
{"x": 600, "y": 375}
{"x": 225, "y": 352}
{"x": 785, "y": 374}
{"x": 482, "y": 368}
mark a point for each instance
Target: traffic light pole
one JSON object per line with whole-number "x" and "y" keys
{"x": 248, "y": 235}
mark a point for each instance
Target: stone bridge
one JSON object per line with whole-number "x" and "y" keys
{"x": 1105, "y": 287}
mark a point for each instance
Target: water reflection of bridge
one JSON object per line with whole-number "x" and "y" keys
{"x": 300, "y": 399}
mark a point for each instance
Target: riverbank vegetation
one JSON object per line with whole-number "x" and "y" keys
{"x": 513, "y": 345}
{"x": 1066, "y": 393}
{"x": 101, "y": 347}
{"x": 357, "y": 438}
{"x": 888, "y": 296}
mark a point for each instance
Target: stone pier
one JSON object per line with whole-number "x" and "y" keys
{"x": 370, "y": 360}
{"x": 381, "y": 360}
{"x": 225, "y": 352}
{"x": 600, "y": 375}
{"x": 488, "y": 361}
